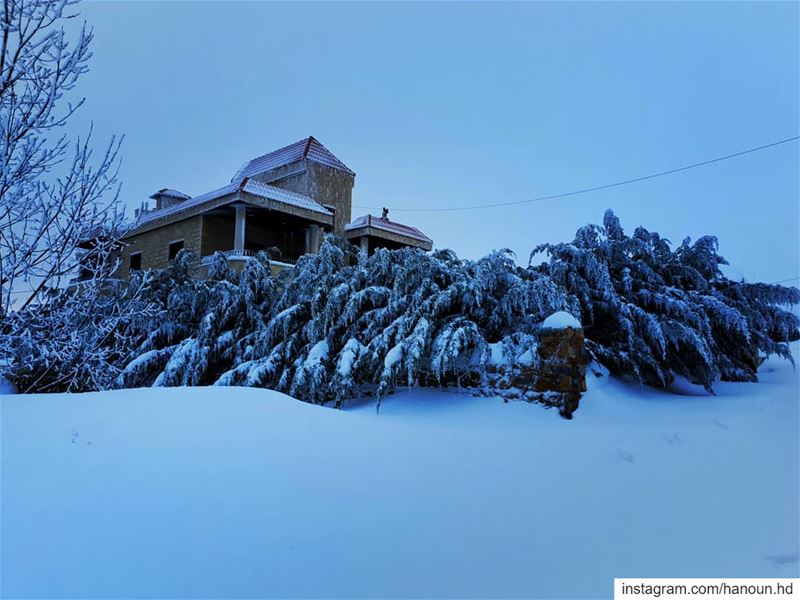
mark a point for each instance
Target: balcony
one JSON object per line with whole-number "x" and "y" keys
{"x": 245, "y": 255}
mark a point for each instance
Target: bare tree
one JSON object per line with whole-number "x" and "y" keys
{"x": 59, "y": 210}
{"x": 53, "y": 195}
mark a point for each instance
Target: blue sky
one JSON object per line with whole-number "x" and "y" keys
{"x": 442, "y": 105}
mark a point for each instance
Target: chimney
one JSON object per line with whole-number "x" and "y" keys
{"x": 166, "y": 197}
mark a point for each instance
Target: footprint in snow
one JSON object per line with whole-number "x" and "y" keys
{"x": 623, "y": 456}
{"x": 672, "y": 439}
{"x": 720, "y": 424}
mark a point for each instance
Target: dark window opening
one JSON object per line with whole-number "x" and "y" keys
{"x": 174, "y": 248}
{"x": 136, "y": 261}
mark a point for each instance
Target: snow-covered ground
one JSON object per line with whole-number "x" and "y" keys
{"x": 231, "y": 492}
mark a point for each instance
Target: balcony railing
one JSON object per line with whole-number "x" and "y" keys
{"x": 239, "y": 253}
{"x": 247, "y": 254}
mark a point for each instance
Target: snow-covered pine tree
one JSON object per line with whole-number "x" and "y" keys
{"x": 199, "y": 323}
{"x": 339, "y": 324}
{"x": 653, "y": 313}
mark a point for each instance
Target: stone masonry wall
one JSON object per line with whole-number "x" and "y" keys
{"x": 154, "y": 244}
{"x": 562, "y": 368}
{"x": 325, "y": 184}
{"x": 555, "y": 377}
{"x": 335, "y": 188}
{"x": 293, "y": 177}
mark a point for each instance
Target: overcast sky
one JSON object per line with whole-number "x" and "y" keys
{"x": 445, "y": 105}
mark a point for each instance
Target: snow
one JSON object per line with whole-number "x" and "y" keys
{"x": 262, "y": 190}
{"x": 151, "y": 215}
{"x": 497, "y": 357}
{"x": 317, "y": 354}
{"x": 526, "y": 358}
{"x": 394, "y": 356}
{"x": 308, "y": 148}
{"x": 6, "y": 387}
{"x": 561, "y": 320}
{"x": 238, "y": 492}
{"x": 348, "y": 356}
{"x": 271, "y": 192}
{"x": 387, "y": 225}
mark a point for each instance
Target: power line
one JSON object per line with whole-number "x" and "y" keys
{"x": 598, "y": 187}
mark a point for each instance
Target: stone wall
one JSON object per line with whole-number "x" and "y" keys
{"x": 292, "y": 177}
{"x": 154, "y": 244}
{"x": 562, "y": 367}
{"x": 334, "y": 188}
{"x": 553, "y": 374}
{"x": 324, "y": 184}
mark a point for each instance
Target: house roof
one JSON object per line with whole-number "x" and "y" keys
{"x": 255, "y": 188}
{"x": 152, "y": 215}
{"x": 170, "y": 193}
{"x": 309, "y": 148}
{"x": 271, "y": 192}
{"x": 387, "y": 225}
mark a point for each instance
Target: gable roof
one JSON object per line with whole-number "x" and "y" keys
{"x": 309, "y": 148}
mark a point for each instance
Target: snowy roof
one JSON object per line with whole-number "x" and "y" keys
{"x": 170, "y": 193}
{"x": 152, "y": 215}
{"x": 308, "y": 148}
{"x": 387, "y": 225}
{"x": 261, "y": 190}
{"x": 561, "y": 320}
{"x": 271, "y": 192}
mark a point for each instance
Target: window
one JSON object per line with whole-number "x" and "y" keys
{"x": 174, "y": 248}
{"x": 136, "y": 261}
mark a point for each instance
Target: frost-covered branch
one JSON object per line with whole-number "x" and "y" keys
{"x": 60, "y": 219}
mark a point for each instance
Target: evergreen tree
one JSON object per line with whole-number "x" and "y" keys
{"x": 653, "y": 313}
{"x": 341, "y": 324}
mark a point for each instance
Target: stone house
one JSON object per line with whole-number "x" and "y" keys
{"x": 286, "y": 199}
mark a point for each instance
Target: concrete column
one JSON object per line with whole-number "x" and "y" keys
{"x": 239, "y": 227}
{"x": 365, "y": 245}
{"x": 312, "y": 239}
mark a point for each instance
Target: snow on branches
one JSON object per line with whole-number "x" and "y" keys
{"x": 653, "y": 313}
{"x": 341, "y": 323}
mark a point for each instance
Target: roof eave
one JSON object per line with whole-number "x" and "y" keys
{"x": 286, "y": 208}
{"x": 182, "y": 215}
{"x": 238, "y": 196}
{"x": 392, "y": 236}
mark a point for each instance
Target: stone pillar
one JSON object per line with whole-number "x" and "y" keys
{"x": 312, "y": 239}
{"x": 239, "y": 227}
{"x": 563, "y": 366}
{"x": 365, "y": 245}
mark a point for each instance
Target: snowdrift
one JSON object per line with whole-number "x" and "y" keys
{"x": 241, "y": 492}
